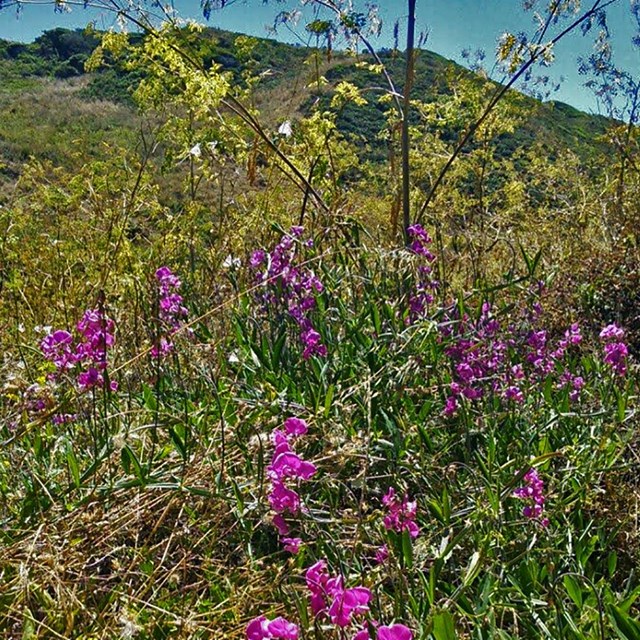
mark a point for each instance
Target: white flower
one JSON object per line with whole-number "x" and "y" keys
{"x": 195, "y": 151}
{"x": 231, "y": 262}
{"x": 285, "y": 129}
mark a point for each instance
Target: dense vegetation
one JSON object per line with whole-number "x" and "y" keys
{"x": 239, "y": 403}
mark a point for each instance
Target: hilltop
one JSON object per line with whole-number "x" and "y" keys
{"x": 51, "y": 70}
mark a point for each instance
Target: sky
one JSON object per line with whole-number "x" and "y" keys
{"x": 451, "y": 25}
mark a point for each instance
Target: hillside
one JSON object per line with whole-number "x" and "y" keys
{"x": 55, "y": 63}
{"x": 279, "y": 364}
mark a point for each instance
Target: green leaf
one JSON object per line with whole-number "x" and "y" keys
{"x": 626, "y": 627}
{"x": 178, "y": 442}
{"x": 375, "y": 316}
{"x": 573, "y": 589}
{"x": 28, "y": 626}
{"x": 73, "y": 467}
{"x": 128, "y": 459}
{"x": 149, "y": 398}
{"x": 277, "y": 351}
{"x": 443, "y": 626}
{"x": 628, "y": 602}
{"x": 329, "y": 399}
{"x": 473, "y": 569}
{"x": 407, "y": 549}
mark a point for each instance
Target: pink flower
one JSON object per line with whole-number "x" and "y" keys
{"x": 280, "y": 524}
{"x": 291, "y": 465}
{"x": 532, "y": 491}
{"x": 283, "y": 629}
{"x": 316, "y": 578}
{"x": 514, "y": 393}
{"x": 292, "y": 545}
{"x": 280, "y": 441}
{"x": 395, "y": 632}
{"x": 329, "y": 595}
{"x": 263, "y": 629}
{"x": 347, "y": 603}
{"x": 283, "y": 499}
{"x": 401, "y": 514}
{"x": 89, "y": 378}
{"x": 612, "y": 332}
{"x": 311, "y": 340}
{"x": 382, "y": 554}
{"x": 363, "y": 634}
{"x": 451, "y": 406}
{"x": 258, "y": 629}
{"x": 295, "y": 427}
{"x": 615, "y": 355}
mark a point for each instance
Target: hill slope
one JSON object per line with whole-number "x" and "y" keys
{"x": 55, "y": 62}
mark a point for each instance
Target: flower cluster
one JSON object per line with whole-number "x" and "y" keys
{"x": 489, "y": 356}
{"x": 86, "y": 353}
{"x": 615, "y": 351}
{"x": 171, "y": 311}
{"x": 543, "y": 358}
{"x": 287, "y": 465}
{"x": 401, "y": 513}
{"x": 478, "y": 355}
{"x": 532, "y": 492}
{"x": 263, "y": 629}
{"x": 422, "y": 296}
{"x": 289, "y": 282}
{"x": 328, "y": 596}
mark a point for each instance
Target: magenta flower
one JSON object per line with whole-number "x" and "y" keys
{"x": 287, "y": 464}
{"x": 257, "y": 258}
{"x": 532, "y": 492}
{"x": 451, "y": 406}
{"x": 347, "y": 602}
{"x": 279, "y": 629}
{"x": 311, "y": 340}
{"x": 422, "y": 296}
{"x": 289, "y": 284}
{"x": 382, "y": 554}
{"x": 292, "y": 545}
{"x": 615, "y": 351}
{"x": 290, "y": 465}
{"x": 328, "y": 595}
{"x": 280, "y": 524}
{"x": 295, "y": 427}
{"x": 283, "y": 629}
{"x": 171, "y": 311}
{"x": 280, "y": 441}
{"x": 615, "y": 355}
{"x": 282, "y": 499}
{"x": 395, "y": 632}
{"x": 258, "y": 629}
{"x": 401, "y": 514}
{"x": 514, "y": 393}
{"x": 58, "y": 348}
{"x": 316, "y": 578}
{"x": 612, "y": 332}
{"x": 87, "y": 353}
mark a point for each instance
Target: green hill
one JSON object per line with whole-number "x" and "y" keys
{"x": 54, "y": 63}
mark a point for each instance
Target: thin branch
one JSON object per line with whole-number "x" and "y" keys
{"x": 501, "y": 90}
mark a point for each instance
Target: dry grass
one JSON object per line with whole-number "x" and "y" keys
{"x": 142, "y": 559}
